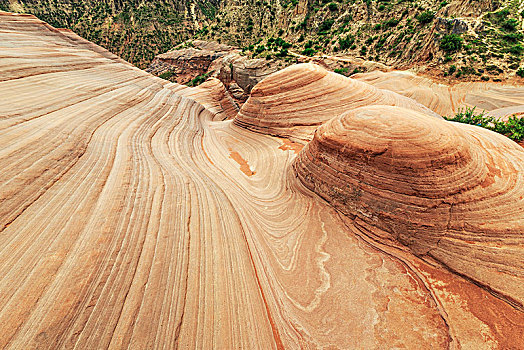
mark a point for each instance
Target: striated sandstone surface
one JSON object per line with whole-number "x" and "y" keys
{"x": 293, "y": 102}
{"x": 506, "y": 112}
{"x": 132, "y": 215}
{"x": 448, "y": 99}
{"x": 448, "y": 191}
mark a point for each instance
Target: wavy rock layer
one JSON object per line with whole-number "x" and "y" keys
{"x": 132, "y": 216}
{"x": 506, "y": 112}
{"x": 296, "y": 100}
{"x": 447, "y": 100}
{"x": 449, "y": 191}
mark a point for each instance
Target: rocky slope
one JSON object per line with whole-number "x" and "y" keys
{"x": 452, "y": 39}
{"x": 136, "y": 30}
{"x": 134, "y": 213}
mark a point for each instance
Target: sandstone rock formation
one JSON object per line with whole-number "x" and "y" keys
{"x": 132, "y": 215}
{"x": 245, "y": 72}
{"x": 449, "y": 191}
{"x": 296, "y": 100}
{"x": 238, "y": 73}
{"x": 187, "y": 63}
{"x": 506, "y": 112}
{"x": 445, "y": 99}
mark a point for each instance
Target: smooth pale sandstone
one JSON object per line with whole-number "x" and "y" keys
{"x": 126, "y": 223}
{"x": 507, "y": 112}
{"x": 217, "y": 99}
{"x": 444, "y": 99}
{"x": 296, "y": 100}
{"x": 448, "y": 191}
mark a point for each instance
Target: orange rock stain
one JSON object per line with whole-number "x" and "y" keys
{"x": 244, "y": 166}
{"x": 291, "y": 146}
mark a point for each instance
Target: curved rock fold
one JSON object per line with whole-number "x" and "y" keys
{"x": 449, "y": 191}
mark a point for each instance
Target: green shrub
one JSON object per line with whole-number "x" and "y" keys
{"x": 468, "y": 116}
{"x": 452, "y": 69}
{"x": 512, "y": 128}
{"x": 451, "y": 43}
{"x": 502, "y": 13}
{"x": 494, "y": 69}
{"x": 342, "y": 71}
{"x": 199, "y": 79}
{"x": 512, "y": 37}
{"x": 309, "y": 51}
{"x": 520, "y": 72}
{"x": 510, "y": 24}
{"x": 442, "y": 4}
{"x": 391, "y": 22}
{"x": 380, "y": 43}
{"x": 166, "y": 75}
{"x": 325, "y": 26}
{"x": 345, "y": 43}
{"x": 282, "y": 53}
{"x": 332, "y": 7}
{"x": 516, "y": 49}
{"x": 280, "y": 43}
{"x": 425, "y": 17}
{"x": 356, "y": 70}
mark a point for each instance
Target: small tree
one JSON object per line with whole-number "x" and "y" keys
{"x": 425, "y": 17}
{"x": 451, "y": 43}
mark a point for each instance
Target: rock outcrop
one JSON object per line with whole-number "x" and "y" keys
{"x": 443, "y": 98}
{"x": 296, "y": 100}
{"x": 449, "y": 191}
{"x": 184, "y": 64}
{"x": 245, "y": 73}
{"x": 238, "y": 73}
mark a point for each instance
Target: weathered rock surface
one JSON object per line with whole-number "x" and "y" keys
{"x": 133, "y": 216}
{"x": 445, "y": 99}
{"x": 448, "y": 191}
{"x": 187, "y": 63}
{"x": 238, "y": 73}
{"x": 245, "y": 72}
{"x": 296, "y": 100}
{"x": 506, "y": 112}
